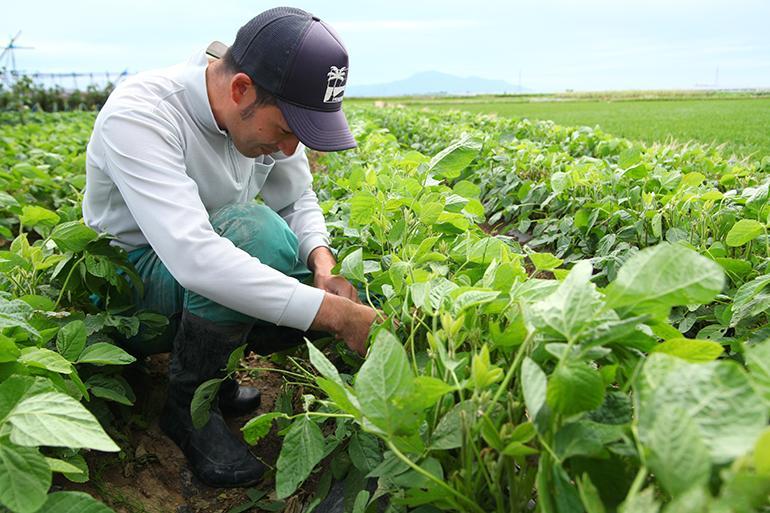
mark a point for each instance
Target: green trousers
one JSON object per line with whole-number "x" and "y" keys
{"x": 254, "y": 228}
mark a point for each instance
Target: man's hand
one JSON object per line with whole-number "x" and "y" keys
{"x": 321, "y": 261}
{"x": 346, "y": 320}
{"x": 336, "y": 285}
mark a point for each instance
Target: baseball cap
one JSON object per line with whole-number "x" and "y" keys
{"x": 303, "y": 62}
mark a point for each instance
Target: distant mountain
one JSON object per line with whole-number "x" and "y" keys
{"x": 434, "y": 83}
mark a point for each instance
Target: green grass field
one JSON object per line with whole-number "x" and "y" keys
{"x": 740, "y": 122}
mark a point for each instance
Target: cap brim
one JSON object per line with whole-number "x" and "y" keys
{"x": 323, "y": 131}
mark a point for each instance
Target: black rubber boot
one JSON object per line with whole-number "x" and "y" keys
{"x": 236, "y": 400}
{"x": 216, "y": 456}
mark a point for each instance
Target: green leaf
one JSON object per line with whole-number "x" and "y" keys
{"x": 449, "y": 431}
{"x": 643, "y": 502}
{"x": 74, "y": 502}
{"x": 235, "y": 358}
{"x": 751, "y": 299}
{"x": 468, "y": 297}
{"x": 104, "y": 353}
{"x": 18, "y": 387}
{"x": 302, "y": 450}
{"x": 10, "y": 261}
{"x": 364, "y": 451}
{"x": 42, "y": 358}
{"x": 744, "y": 492}
{"x": 39, "y": 302}
{"x": 678, "y": 457}
{"x": 363, "y": 206}
{"x": 758, "y": 361}
{"x": 716, "y": 396}
{"x": 73, "y": 236}
{"x": 322, "y": 364}
{"x": 452, "y": 160}
{"x": 518, "y": 449}
{"x": 743, "y": 232}
{"x": 200, "y": 406}
{"x": 412, "y": 479}
{"x": 694, "y": 179}
{"x": 695, "y": 500}
{"x": 384, "y": 379}
{"x": 15, "y": 313}
{"x": 565, "y": 494}
{"x": 589, "y": 494}
{"x": 360, "y": 502}
{"x": 762, "y": 453}
{"x": 341, "y": 395}
{"x": 560, "y": 182}
{"x": 692, "y": 350}
{"x": 452, "y": 222}
{"x": 57, "y": 420}
{"x": 353, "y": 266}
{"x": 630, "y": 157}
{"x": 475, "y": 208}
{"x": 101, "y": 267}
{"x": 658, "y": 278}
{"x": 483, "y": 373}
{"x": 62, "y": 466}
{"x": 467, "y": 189}
{"x": 258, "y": 427}
{"x": 585, "y": 438}
{"x": 545, "y": 261}
{"x": 9, "y": 352}
{"x": 616, "y": 409}
{"x": 112, "y": 388}
{"x": 32, "y": 215}
{"x": 533, "y": 384}
{"x": 523, "y": 433}
{"x": 24, "y": 478}
{"x": 572, "y": 308}
{"x": 430, "y": 212}
{"x": 575, "y": 387}
{"x": 428, "y": 391}
{"x": 71, "y": 340}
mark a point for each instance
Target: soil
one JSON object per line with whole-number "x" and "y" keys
{"x": 151, "y": 475}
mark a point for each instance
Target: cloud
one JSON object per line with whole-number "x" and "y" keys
{"x": 402, "y": 25}
{"x": 58, "y": 48}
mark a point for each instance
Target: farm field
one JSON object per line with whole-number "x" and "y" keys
{"x": 740, "y": 122}
{"x": 574, "y": 322}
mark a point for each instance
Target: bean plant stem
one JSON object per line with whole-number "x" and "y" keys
{"x": 67, "y": 280}
{"x": 511, "y": 371}
{"x": 274, "y": 369}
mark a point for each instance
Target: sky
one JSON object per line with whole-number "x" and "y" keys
{"x": 548, "y": 45}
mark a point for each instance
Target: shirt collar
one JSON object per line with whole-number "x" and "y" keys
{"x": 195, "y": 82}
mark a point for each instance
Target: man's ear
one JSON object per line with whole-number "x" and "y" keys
{"x": 241, "y": 89}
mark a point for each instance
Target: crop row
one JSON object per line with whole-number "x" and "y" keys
{"x": 594, "y": 359}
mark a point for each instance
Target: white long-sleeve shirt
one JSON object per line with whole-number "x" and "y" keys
{"x": 157, "y": 165}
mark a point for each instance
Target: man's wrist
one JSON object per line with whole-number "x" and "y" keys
{"x": 321, "y": 261}
{"x": 329, "y": 316}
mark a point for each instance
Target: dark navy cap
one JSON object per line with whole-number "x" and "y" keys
{"x": 303, "y": 62}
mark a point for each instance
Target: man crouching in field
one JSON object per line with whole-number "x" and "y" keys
{"x": 174, "y": 162}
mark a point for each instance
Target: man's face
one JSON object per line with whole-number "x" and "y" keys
{"x": 262, "y": 130}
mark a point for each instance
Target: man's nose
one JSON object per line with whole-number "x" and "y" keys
{"x": 289, "y": 145}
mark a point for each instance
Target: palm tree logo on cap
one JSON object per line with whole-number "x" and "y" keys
{"x": 335, "y": 84}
